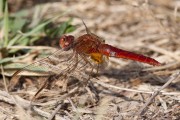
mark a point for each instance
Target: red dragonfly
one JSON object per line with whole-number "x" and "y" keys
{"x": 91, "y": 45}
{"x": 76, "y": 55}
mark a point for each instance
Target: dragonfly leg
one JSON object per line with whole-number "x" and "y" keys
{"x": 86, "y": 63}
{"x": 92, "y": 68}
{"x": 97, "y": 70}
{"x": 86, "y": 60}
{"x": 40, "y": 89}
{"x": 92, "y": 92}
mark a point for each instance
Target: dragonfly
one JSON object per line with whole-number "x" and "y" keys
{"x": 93, "y": 46}
{"x": 76, "y": 55}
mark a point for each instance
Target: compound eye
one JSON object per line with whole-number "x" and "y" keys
{"x": 62, "y": 41}
{"x": 66, "y": 42}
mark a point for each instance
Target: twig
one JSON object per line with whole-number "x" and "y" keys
{"x": 55, "y": 112}
{"x": 45, "y": 114}
{"x": 75, "y": 109}
{"x": 163, "y": 103}
{"x": 132, "y": 90}
{"x": 169, "y": 65}
{"x": 62, "y": 98}
{"x": 41, "y": 112}
{"x": 172, "y": 77}
{"x": 20, "y": 109}
{"x": 9, "y": 114}
{"x": 6, "y": 100}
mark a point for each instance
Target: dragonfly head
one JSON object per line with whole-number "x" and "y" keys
{"x": 66, "y": 42}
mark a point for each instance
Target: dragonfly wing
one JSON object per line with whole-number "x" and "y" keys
{"x": 57, "y": 63}
{"x": 56, "y": 66}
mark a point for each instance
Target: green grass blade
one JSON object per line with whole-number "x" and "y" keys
{"x": 6, "y": 25}
{"x": 1, "y": 7}
{"x": 9, "y": 59}
{"x": 42, "y": 25}
{"x": 13, "y": 41}
{"x": 33, "y": 67}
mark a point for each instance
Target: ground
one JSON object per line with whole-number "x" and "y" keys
{"x": 122, "y": 87}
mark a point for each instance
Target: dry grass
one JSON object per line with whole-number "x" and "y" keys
{"x": 123, "y": 90}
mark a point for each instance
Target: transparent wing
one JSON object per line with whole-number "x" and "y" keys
{"x": 60, "y": 63}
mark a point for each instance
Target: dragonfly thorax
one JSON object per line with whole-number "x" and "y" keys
{"x": 66, "y": 42}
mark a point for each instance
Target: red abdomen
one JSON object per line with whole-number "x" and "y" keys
{"x": 111, "y": 51}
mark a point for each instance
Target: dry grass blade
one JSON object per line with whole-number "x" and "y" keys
{"x": 171, "y": 78}
{"x": 102, "y": 109}
{"x": 165, "y": 52}
{"x": 166, "y": 66}
{"x": 46, "y": 114}
{"x": 60, "y": 99}
{"x": 52, "y": 116}
{"x": 4, "y": 79}
{"x": 131, "y": 90}
{"x": 19, "y": 109}
{"x": 79, "y": 116}
{"x": 32, "y": 47}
